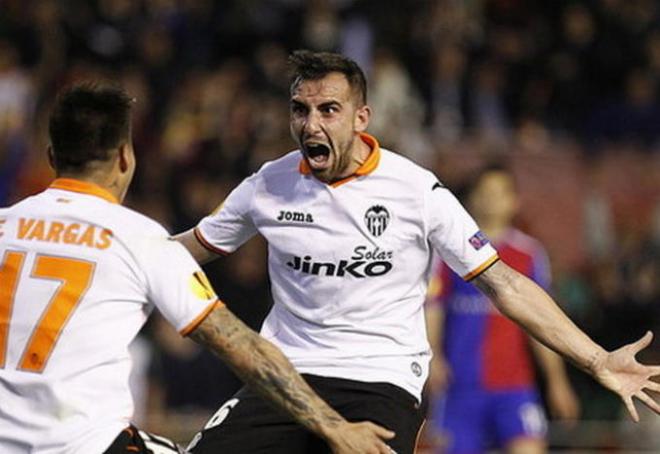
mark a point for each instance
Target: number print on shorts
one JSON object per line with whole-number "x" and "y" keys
{"x": 215, "y": 420}
{"x": 75, "y": 277}
{"x": 157, "y": 444}
{"x": 533, "y": 419}
{"x": 221, "y": 414}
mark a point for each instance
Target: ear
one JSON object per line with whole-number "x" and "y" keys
{"x": 51, "y": 157}
{"x": 124, "y": 158}
{"x": 362, "y": 117}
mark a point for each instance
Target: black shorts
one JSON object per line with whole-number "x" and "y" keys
{"x": 134, "y": 441}
{"x": 247, "y": 424}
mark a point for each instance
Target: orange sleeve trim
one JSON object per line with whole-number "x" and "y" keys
{"x": 481, "y": 268}
{"x": 190, "y": 327}
{"x": 206, "y": 244}
{"x": 83, "y": 187}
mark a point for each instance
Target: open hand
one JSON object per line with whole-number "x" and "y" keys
{"x": 360, "y": 438}
{"x": 620, "y": 372}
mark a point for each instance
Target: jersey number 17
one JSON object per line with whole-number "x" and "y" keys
{"x": 75, "y": 277}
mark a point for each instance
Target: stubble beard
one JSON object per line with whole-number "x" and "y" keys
{"x": 341, "y": 162}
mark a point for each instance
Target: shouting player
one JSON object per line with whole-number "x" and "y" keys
{"x": 79, "y": 274}
{"x": 350, "y": 229}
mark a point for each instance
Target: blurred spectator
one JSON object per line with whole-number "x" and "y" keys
{"x": 399, "y": 110}
{"x": 634, "y": 118}
{"x": 447, "y": 92}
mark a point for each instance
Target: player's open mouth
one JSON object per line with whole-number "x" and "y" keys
{"x": 317, "y": 154}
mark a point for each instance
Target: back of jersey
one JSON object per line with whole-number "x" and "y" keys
{"x": 72, "y": 298}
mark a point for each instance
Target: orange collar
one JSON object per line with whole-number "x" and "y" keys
{"x": 366, "y": 168}
{"x": 83, "y": 187}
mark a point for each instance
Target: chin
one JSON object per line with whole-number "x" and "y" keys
{"x": 323, "y": 174}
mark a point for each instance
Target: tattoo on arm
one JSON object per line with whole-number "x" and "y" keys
{"x": 263, "y": 366}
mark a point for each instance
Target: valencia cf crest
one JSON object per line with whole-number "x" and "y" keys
{"x": 377, "y": 218}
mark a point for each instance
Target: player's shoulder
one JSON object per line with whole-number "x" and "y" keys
{"x": 24, "y": 204}
{"x": 134, "y": 223}
{"x": 400, "y": 166}
{"x": 286, "y": 164}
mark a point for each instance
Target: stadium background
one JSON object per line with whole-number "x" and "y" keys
{"x": 566, "y": 91}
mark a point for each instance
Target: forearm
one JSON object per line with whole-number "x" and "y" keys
{"x": 523, "y": 301}
{"x": 262, "y": 366}
{"x": 196, "y": 249}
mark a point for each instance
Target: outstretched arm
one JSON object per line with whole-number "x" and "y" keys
{"x": 526, "y": 303}
{"x": 262, "y": 366}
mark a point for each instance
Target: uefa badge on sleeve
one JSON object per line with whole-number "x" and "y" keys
{"x": 478, "y": 240}
{"x": 200, "y": 286}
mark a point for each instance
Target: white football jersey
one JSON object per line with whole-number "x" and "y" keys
{"x": 79, "y": 274}
{"x": 349, "y": 262}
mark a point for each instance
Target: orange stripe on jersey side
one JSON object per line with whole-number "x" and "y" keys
{"x": 83, "y": 187}
{"x": 75, "y": 277}
{"x": 481, "y": 268}
{"x": 9, "y": 271}
{"x": 200, "y": 318}
{"x": 206, "y": 244}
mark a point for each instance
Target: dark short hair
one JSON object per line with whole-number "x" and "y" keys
{"x": 87, "y": 121}
{"x": 308, "y": 65}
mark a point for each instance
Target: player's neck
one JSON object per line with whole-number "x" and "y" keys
{"x": 100, "y": 177}
{"x": 359, "y": 154}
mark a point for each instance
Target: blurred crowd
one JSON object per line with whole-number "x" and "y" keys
{"x": 567, "y": 91}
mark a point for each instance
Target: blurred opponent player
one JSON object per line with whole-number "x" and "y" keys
{"x": 351, "y": 228}
{"x": 482, "y": 380}
{"x": 79, "y": 274}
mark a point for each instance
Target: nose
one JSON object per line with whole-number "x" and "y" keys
{"x": 312, "y": 123}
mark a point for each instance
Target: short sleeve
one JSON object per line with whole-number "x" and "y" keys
{"x": 176, "y": 285}
{"x": 455, "y": 235}
{"x": 230, "y": 225}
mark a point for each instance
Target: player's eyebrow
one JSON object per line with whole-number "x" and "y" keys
{"x": 332, "y": 103}
{"x": 295, "y": 103}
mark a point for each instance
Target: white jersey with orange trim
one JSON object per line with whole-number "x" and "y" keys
{"x": 79, "y": 275}
{"x": 349, "y": 262}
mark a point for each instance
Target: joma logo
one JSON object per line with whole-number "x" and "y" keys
{"x": 295, "y": 216}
